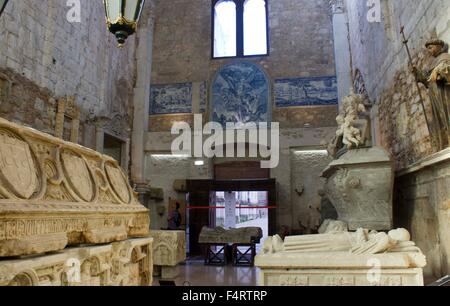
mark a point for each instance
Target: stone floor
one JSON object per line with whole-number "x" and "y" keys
{"x": 195, "y": 273}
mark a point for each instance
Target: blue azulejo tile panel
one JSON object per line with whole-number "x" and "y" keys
{"x": 240, "y": 94}
{"x": 306, "y": 91}
{"x": 171, "y": 99}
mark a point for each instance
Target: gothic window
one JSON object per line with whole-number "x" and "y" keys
{"x": 240, "y": 28}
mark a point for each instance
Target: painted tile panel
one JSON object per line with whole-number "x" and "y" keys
{"x": 171, "y": 99}
{"x": 306, "y": 91}
{"x": 240, "y": 94}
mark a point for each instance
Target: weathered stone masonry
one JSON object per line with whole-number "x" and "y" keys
{"x": 44, "y": 57}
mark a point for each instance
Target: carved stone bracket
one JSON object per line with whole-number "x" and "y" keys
{"x": 67, "y": 108}
{"x": 337, "y": 6}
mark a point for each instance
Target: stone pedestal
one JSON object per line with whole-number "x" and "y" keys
{"x": 423, "y": 206}
{"x": 169, "y": 250}
{"x": 170, "y": 272}
{"x": 360, "y": 186}
{"x": 341, "y": 269}
{"x": 126, "y": 263}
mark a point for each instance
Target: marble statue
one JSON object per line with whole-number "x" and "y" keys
{"x": 342, "y": 258}
{"x": 436, "y": 77}
{"x": 360, "y": 242}
{"x": 349, "y": 133}
{"x": 330, "y": 226}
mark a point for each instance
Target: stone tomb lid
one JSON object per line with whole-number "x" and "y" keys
{"x": 339, "y": 260}
{"x": 358, "y": 157}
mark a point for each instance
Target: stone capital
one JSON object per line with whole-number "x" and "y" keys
{"x": 337, "y": 6}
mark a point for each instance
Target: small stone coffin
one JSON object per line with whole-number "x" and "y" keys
{"x": 219, "y": 235}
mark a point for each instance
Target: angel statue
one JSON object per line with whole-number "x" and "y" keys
{"x": 348, "y": 134}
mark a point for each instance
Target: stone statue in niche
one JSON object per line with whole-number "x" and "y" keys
{"x": 352, "y": 131}
{"x": 436, "y": 77}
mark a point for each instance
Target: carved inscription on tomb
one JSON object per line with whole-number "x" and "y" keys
{"x": 339, "y": 281}
{"x": 293, "y": 280}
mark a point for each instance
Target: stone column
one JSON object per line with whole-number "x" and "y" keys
{"x": 141, "y": 98}
{"x": 74, "y": 134}
{"x": 59, "y": 129}
{"x": 99, "y": 138}
{"x": 341, "y": 48}
{"x": 126, "y": 155}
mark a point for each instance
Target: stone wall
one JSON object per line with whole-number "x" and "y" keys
{"x": 423, "y": 198}
{"x": 301, "y": 45}
{"x": 162, "y": 169}
{"x": 300, "y": 41}
{"x": 381, "y": 59}
{"x": 378, "y": 53}
{"x": 44, "y": 57}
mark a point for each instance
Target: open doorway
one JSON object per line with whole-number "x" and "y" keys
{"x": 254, "y": 203}
{"x": 113, "y": 146}
{"x": 240, "y": 209}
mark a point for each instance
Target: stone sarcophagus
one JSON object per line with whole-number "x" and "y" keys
{"x": 342, "y": 258}
{"x": 169, "y": 247}
{"x": 169, "y": 250}
{"x": 124, "y": 263}
{"x": 360, "y": 186}
{"x": 219, "y": 235}
{"x": 55, "y": 193}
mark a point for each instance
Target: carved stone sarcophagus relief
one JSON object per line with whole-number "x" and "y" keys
{"x": 55, "y": 193}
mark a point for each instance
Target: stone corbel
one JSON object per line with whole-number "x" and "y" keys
{"x": 337, "y": 6}
{"x": 5, "y": 87}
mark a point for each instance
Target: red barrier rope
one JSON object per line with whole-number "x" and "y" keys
{"x": 237, "y": 207}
